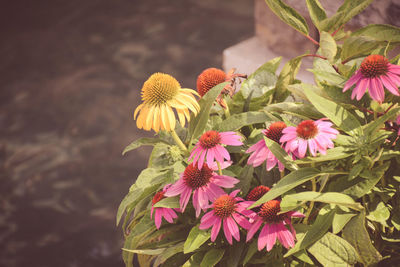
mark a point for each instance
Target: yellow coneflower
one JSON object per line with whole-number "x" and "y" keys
{"x": 160, "y": 93}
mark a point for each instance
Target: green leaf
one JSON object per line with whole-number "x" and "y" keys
{"x": 317, "y": 12}
{"x": 143, "y": 142}
{"x": 168, "y": 253}
{"x": 329, "y": 197}
{"x": 168, "y": 202}
{"x": 373, "y": 126}
{"x": 237, "y": 121}
{"x": 358, "y": 46}
{"x": 380, "y": 214}
{"x": 286, "y": 77}
{"x": 296, "y": 109}
{"x": 332, "y": 250}
{"x": 288, "y": 15}
{"x": 318, "y": 229}
{"x": 280, "y": 154}
{"x": 194, "y": 260}
{"x": 157, "y": 251}
{"x": 288, "y": 182}
{"x": 346, "y": 12}
{"x": 212, "y": 257}
{"x": 233, "y": 254}
{"x": 251, "y": 250}
{"x": 198, "y": 123}
{"x": 262, "y": 80}
{"x": 328, "y": 46}
{"x": 380, "y": 33}
{"x": 195, "y": 239}
{"x": 336, "y": 113}
{"x": 329, "y": 77}
{"x": 340, "y": 220}
{"x": 245, "y": 176}
{"x": 130, "y": 198}
{"x": 356, "y": 234}
{"x": 331, "y": 154}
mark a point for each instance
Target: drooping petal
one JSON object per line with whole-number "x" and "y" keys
{"x": 242, "y": 221}
{"x": 272, "y": 234}
{"x": 215, "y": 229}
{"x": 285, "y": 236}
{"x": 254, "y": 228}
{"x": 157, "y": 218}
{"x": 207, "y": 220}
{"x": 263, "y": 237}
{"x": 233, "y": 228}
{"x": 389, "y": 85}
{"x": 353, "y": 80}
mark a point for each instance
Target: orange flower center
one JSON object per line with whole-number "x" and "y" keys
{"x": 209, "y": 139}
{"x": 269, "y": 212}
{"x": 157, "y": 197}
{"x": 307, "y": 129}
{"x": 208, "y": 79}
{"x": 374, "y": 66}
{"x": 196, "y": 178}
{"x": 257, "y": 192}
{"x": 224, "y": 206}
{"x": 274, "y": 131}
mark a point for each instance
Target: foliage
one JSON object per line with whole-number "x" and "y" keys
{"x": 350, "y": 195}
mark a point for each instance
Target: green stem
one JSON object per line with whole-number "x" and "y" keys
{"x": 314, "y": 189}
{"x": 179, "y": 142}
{"x": 219, "y": 168}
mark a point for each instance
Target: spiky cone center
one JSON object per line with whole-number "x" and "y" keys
{"x": 196, "y": 178}
{"x": 274, "y": 131}
{"x": 208, "y": 79}
{"x": 210, "y": 139}
{"x": 159, "y": 89}
{"x": 224, "y": 206}
{"x": 307, "y": 129}
{"x": 157, "y": 197}
{"x": 374, "y": 66}
{"x": 269, "y": 212}
{"x": 257, "y": 192}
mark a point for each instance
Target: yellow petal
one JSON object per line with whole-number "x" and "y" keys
{"x": 149, "y": 118}
{"x": 187, "y": 114}
{"x": 164, "y": 118}
{"x": 191, "y": 91}
{"x": 171, "y": 117}
{"x": 188, "y": 102}
{"x": 156, "y": 119}
{"x": 141, "y": 118}
{"x": 181, "y": 116}
{"x": 176, "y": 104}
{"x": 137, "y": 110}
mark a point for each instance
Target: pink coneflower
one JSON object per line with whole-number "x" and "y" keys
{"x": 274, "y": 226}
{"x": 227, "y": 210}
{"x": 205, "y": 184}
{"x": 167, "y": 213}
{"x": 210, "y": 147}
{"x": 317, "y": 135}
{"x": 375, "y": 73}
{"x": 262, "y": 153}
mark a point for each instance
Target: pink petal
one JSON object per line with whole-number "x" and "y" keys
{"x": 176, "y": 188}
{"x": 271, "y": 237}
{"x": 295, "y": 214}
{"x": 207, "y": 220}
{"x": 285, "y": 236}
{"x": 394, "y": 69}
{"x": 215, "y": 229}
{"x": 302, "y": 148}
{"x": 222, "y": 151}
{"x": 210, "y": 157}
{"x": 360, "y": 89}
{"x": 377, "y": 84}
{"x": 217, "y": 155}
{"x": 225, "y": 181}
{"x": 389, "y": 85}
{"x": 195, "y": 150}
{"x": 233, "y": 228}
{"x": 196, "y": 202}
{"x": 215, "y": 191}
{"x": 354, "y": 79}
{"x": 234, "y": 193}
{"x": 241, "y": 221}
{"x": 157, "y": 219}
{"x": 254, "y": 228}
{"x": 203, "y": 198}
{"x": 185, "y": 196}
{"x": 227, "y": 232}
{"x": 263, "y": 238}
{"x": 201, "y": 159}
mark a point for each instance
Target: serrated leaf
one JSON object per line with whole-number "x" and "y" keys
{"x": 356, "y": 234}
{"x": 318, "y": 229}
{"x": 328, "y": 46}
{"x": 288, "y": 15}
{"x": 280, "y": 154}
{"x": 212, "y": 257}
{"x": 336, "y": 113}
{"x": 288, "y": 182}
{"x": 198, "y": 123}
{"x": 237, "y": 121}
{"x": 168, "y": 202}
{"x": 262, "y": 80}
{"x": 195, "y": 239}
{"x": 346, "y": 12}
{"x": 143, "y": 142}
{"x": 332, "y": 250}
{"x": 317, "y": 12}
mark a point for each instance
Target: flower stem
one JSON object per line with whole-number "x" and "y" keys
{"x": 179, "y": 142}
{"x": 314, "y": 189}
{"x": 219, "y": 168}
{"x": 311, "y": 39}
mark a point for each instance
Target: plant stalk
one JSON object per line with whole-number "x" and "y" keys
{"x": 314, "y": 189}
{"x": 179, "y": 142}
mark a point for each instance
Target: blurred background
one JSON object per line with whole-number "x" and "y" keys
{"x": 70, "y": 75}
